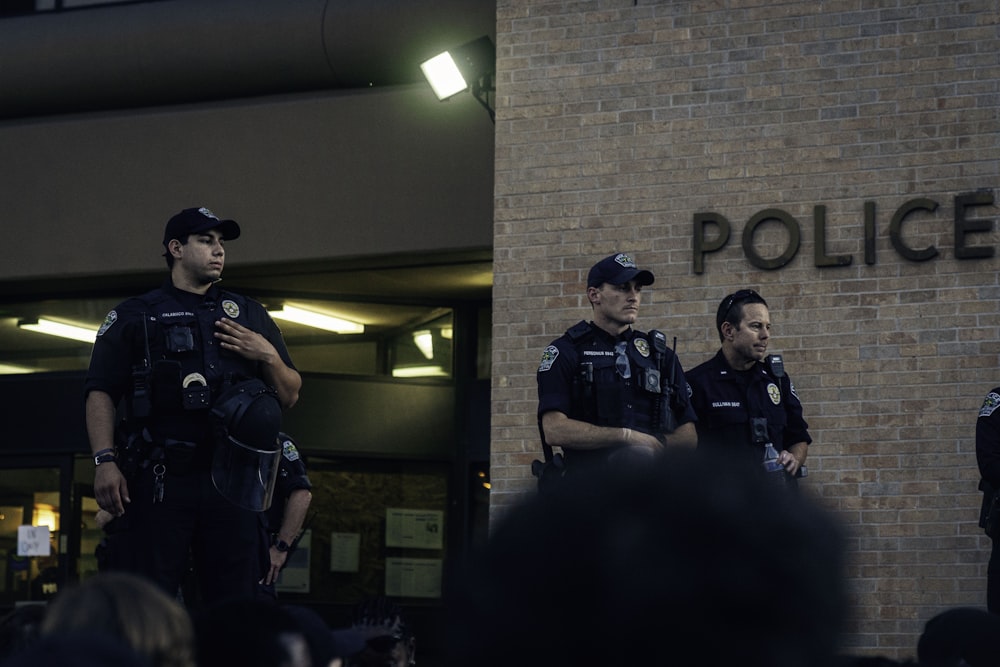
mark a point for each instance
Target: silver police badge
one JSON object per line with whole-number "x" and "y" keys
{"x": 774, "y": 393}
{"x": 231, "y": 308}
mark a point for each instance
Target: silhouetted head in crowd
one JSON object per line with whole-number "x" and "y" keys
{"x": 684, "y": 560}
{"x": 250, "y": 633}
{"x": 19, "y": 628}
{"x": 78, "y": 649}
{"x": 389, "y": 640}
{"x": 129, "y": 608}
{"x": 961, "y": 637}
{"x": 328, "y": 647}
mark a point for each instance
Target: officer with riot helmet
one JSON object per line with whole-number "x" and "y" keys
{"x": 606, "y": 390}
{"x": 746, "y": 403}
{"x": 200, "y": 375}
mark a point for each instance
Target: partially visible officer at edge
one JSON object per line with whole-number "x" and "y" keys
{"x": 743, "y": 397}
{"x": 606, "y": 389}
{"x": 988, "y": 460}
{"x": 176, "y": 355}
{"x": 282, "y": 524}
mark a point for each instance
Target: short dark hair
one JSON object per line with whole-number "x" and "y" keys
{"x": 731, "y": 308}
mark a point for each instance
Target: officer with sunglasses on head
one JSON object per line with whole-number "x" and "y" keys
{"x": 606, "y": 390}
{"x": 745, "y": 402}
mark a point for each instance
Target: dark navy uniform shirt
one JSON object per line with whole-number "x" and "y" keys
{"x": 291, "y": 477}
{"x": 587, "y": 351}
{"x": 177, "y": 328}
{"x": 988, "y": 439}
{"x": 726, "y": 400}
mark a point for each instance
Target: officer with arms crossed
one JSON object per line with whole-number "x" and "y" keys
{"x": 202, "y": 374}
{"x": 743, "y": 398}
{"x": 606, "y": 389}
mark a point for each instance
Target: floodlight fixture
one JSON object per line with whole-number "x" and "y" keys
{"x": 471, "y": 66}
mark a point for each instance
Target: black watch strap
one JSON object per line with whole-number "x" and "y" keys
{"x": 104, "y": 456}
{"x": 282, "y": 545}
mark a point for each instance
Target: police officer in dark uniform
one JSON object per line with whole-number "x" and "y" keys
{"x": 202, "y": 375}
{"x": 744, "y": 399}
{"x": 988, "y": 459}
{"x": 606, "y": 390}
{"x": 281, "y": 525}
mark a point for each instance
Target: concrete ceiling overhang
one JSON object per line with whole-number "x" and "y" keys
{"x": 184, "y": 51}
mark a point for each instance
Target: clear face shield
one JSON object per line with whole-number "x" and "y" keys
{"x": 245, "y": 475}
{"x": 247, "y": 450}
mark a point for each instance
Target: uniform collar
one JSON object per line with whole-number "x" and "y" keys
{"x": 211, "y": 295}
{"x": 726, "y": 370}
{"x": 604, "y": 336}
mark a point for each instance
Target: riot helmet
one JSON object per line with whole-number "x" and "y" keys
{"x": 247, "y": 450}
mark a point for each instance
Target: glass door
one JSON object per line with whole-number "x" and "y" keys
{"x": 34, "y": 502}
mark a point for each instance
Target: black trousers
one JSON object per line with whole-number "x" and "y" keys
{"x": 193, "y": 524}
{"x": 993, "y": 579}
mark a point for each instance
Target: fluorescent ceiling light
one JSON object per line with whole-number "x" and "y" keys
{"x": 443, "y": 75}
{"x": 14, "y": 369}
{"x": 53, "y": 328}
{"x": 418, "y": 372}
{"x": 424, "y": 342}
{"x": 311, "y": 318}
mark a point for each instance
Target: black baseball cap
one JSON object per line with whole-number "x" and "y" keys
{"x": 617, "y": 269}
{"x": 196, "y": 221}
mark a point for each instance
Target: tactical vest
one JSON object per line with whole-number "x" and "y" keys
{"x": 600, "y": 398}
{"x": 184, "y": 368}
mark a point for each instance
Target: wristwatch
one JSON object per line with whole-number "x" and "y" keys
{"x": 104, "y": 456}
{"x": 282, "y": 545}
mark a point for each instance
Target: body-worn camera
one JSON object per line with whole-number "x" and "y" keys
{"x": 651, "y": 380}
{"x": 180, "y": 338}
{"x": 758, "y": 430}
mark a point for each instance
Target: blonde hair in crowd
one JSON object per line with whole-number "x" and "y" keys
{"x": 130, "y": 608}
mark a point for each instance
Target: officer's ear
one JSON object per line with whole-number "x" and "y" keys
{"x": 593, "y": 295}
{"x": 728, "y": 329}
{"x": 174, "y": 248}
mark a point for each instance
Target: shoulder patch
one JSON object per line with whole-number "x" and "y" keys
{"x": 990, "y": 403}
{"x": 549, "y": 355}
{"x": 109, "y": 319}
{"x": 289, "y": 451}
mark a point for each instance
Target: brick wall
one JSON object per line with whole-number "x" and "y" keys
{"x": 620, "y": 121}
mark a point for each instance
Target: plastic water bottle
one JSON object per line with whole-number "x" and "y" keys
{"x": 771, "y": 463}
